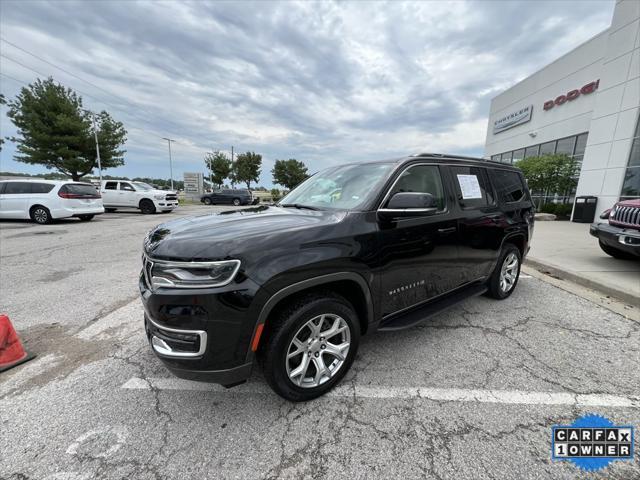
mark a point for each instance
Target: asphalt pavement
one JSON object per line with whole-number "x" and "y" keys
{"x": 470, "y": 394}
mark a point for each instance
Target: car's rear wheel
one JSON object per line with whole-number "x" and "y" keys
{"x": 147, "y": 207}
{"x": 236, "y": 201}
{"x": 207, "y": 201}
{"x": 310, "y": 346}
{"x": 109, "y": 210}
{"x": 615, "y": 253}
{"x": 40, "y": 214}
{"x": 86, "y": 218}
{"x": 505, "y": 277}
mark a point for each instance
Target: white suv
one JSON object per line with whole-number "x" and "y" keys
{"x": 46, "y": 200}
{"x": 118, "y": 194}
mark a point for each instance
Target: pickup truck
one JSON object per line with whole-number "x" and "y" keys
{"x": 119, "y": 194}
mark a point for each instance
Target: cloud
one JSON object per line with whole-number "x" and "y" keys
{"x": 324, "y": 82}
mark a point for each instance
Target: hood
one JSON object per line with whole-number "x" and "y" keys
{"x": 629, "y": 203}
{"x": 217, "y": 236}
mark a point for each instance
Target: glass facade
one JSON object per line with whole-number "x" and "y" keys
{"x": 631, "y": 183}
{"x": 573, "y": 146}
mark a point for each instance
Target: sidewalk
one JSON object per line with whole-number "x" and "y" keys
{"x": 566, "y": 250}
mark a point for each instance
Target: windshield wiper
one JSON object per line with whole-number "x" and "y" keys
{"x": 298, "y": 205}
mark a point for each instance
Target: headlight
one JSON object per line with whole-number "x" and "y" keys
{"x": 158, "y": 197}
{"x": 191, "y": 274}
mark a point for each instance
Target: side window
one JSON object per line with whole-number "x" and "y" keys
{"x": 41, "y": 187}
{"x": 422, "y": 179}
{"x": 509, "y": 187}
{"x": 111, "y": 186}
{"x": 2, "y": 185}
{"x": 14, "y": 188}
{"x": 126, "y": 186}
{"x": 472, "y": 187}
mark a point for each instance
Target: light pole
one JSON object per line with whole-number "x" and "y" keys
{"x": 169, "y": 140}
{"x": 95, "y": 135}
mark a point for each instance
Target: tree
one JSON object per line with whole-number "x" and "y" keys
{"x": 3, "y": 101}
{"x": 219, "y": 165}
{"x": 55, "y": 131}
{"x": 550, "y": 174}
{"x": 247, "y": 168}
{"x": 289, "y": 173}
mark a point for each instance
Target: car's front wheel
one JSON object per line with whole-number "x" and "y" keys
{"x": 207, "y": 201}
{"x": 147, "y": 207}
{"x": 504, "y": 278}
{"x": 236, "y": 202}
{"x": 310, "y": 346}
{"x": 615, "y": 253}
{"x": 40, "y": 214}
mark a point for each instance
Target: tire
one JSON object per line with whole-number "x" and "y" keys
{"x": 109, "y": 210}
{"x": 236, "y": 202}
{"x": 615, "y": 253}
{"x": 86, "y": 218}
{"x": 327, "y": 311}
{"x": 39, "y": 214}
{"x": 166, "y": 211}
{"x": 147, "y": 206}
{"x": 207, "y": 201}
{"x": 507, "y": 269}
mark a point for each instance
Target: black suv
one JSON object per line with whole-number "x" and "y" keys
{"x": 353, "y": 249}
{"x": 228, "y": 197}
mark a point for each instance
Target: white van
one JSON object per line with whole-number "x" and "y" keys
{"x": 45, "y": 200}
{"x": 117, "y": 194}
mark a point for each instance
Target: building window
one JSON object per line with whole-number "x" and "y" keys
{"x": 495, "y": 158}
{"x": 518, "y": 155}
{"x": 548, "y": 148}
{"x": 532, "y": 151}
{"x": 631, "y": 183}
{"x": 566, "y": 145}
{"x": 506, "y": 157}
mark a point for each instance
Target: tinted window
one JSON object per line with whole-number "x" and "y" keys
{"x": 41, "y": 187}
{"x": 111, "y": 186}
{"x": 227, "y": 192}
{"x": 508, "y": 185}
{"x": 531, "y": 151}
{"x": 17, "y": 188}
{"x": 126, "y": 186}
{"x": 549, "y": 147}
{"x": 2, "y": 185}
{"x": 518, "y": 155}
{"x": 81, "y": 190}
{"x": 422, "y": 179}
{"x": 472, "y": 187}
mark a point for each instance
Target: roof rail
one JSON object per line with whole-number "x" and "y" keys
{"x": 445, "y": 155}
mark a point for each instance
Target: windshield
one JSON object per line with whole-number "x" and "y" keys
{"x": 142, "y": 186}
{"x": 342, "y": 188}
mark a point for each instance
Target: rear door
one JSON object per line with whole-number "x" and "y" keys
{"x": 418, "y": 255}
{"x": 479, "y": 227}
{"x": 110, "y": 193}
{"x": 14, "y": 201}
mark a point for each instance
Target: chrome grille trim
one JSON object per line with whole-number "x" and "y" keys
{"x": 626, "y": 215}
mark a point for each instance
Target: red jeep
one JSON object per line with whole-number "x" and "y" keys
{"x": 620, "y": 237}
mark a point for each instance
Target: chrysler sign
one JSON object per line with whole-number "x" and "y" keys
{"x": 512, "y": 119}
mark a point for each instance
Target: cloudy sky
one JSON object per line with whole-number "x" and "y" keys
{"x": 323, "y": 82}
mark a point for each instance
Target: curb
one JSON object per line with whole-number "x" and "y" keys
{"x": 626, "y": 297}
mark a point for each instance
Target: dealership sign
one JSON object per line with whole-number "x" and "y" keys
{"x": 512, "y": 119}
{"x": 572, "y": 95}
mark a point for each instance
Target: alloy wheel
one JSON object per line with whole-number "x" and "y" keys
{"x": 318, "y": 350}
{"x": 40, "y": 215}
{"x": 509, "y": 272}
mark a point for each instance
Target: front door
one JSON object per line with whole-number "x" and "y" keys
{"x": 127, "y": 195}
{"x": 110, "y": 193}
{"x": 14, "y": 200}
{"x": 418, "y": 255}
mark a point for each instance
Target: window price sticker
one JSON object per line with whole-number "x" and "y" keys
{"x": 469, "y": 187}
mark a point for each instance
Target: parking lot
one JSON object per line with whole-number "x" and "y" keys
{"x": 471, "y": 394}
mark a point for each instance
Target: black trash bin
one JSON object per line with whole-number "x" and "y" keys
{"x": 584, "y": 209}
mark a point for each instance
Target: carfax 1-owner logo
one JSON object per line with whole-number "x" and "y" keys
{"x": 592, "y": 442}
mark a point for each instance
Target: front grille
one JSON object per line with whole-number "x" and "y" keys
{"x": 626, "y": 216}
{"x": 171, "y": 197}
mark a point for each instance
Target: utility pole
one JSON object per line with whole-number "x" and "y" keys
{"x": 95, "y": 136}
{"x": 169, "y": 140}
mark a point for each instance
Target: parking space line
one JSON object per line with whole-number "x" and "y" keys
{"x": 510, "y": 397}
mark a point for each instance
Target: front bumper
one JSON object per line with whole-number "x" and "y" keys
{"x": 205, "y": 334}
{"x": 165, "y": 204}
{"x": 624, "y": 239}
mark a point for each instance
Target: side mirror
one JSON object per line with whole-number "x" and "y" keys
{"x": 409, "y": 204}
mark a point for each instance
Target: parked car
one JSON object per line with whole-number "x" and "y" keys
{"x": 45, "y": 200}
{"x": 228, "y": 197}
{"x": 354, "y": 249}
{"x": 619, "y": 236}
{"x": 125, "y": 194}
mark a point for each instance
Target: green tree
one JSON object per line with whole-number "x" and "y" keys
{"x": 276, "y": 194}
{"x": 246, "y": 168}
{"x": 55, "y": 131}
{"x": 219, "y": 165}
{"x": 3, "y": 101}
{"x": 289, "y": 173}
{"x": 550, "y": 174}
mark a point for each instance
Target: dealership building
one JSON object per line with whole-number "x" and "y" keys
{"x": 586, "y": 105}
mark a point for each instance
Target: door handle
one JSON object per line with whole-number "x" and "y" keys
{"x": 445, "y": 231}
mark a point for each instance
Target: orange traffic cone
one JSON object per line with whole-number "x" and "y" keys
{"x": 11, "y": 351}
